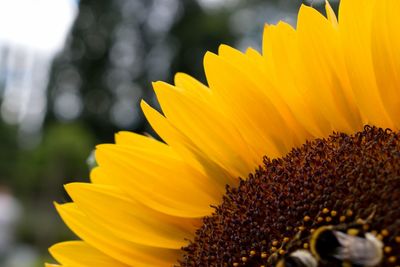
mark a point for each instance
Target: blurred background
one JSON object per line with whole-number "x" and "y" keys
{"x": 72, "y": 73}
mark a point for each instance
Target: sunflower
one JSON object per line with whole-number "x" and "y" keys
{"x": 310, "y": 124}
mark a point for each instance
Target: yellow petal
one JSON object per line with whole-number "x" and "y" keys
{"x": 147, "y": 197}
{"x": 206, "y": 128}
{"x": 152, "y": 153}
{"x": 185, "y": 147}
{"x": 291, "y": 132}
{"x": 80, "y": 254}
{"x": 99, "y": 177}
{"x": 171, "y": 135}
{"x": 180, "y": 191}
{"x": 103, "y": 240}
{"x": 331, "y": 14}
{"x": 140, "y": 141}
{"x": 128, "y": 219}
{"x": 355, "y": 20}
{"x": 324, "y": 72}
{"x": 250, "y": 111}
{"x": 280, "y": 48}
{"x": 386, "y": 55}
{"x": 192, "y": 86}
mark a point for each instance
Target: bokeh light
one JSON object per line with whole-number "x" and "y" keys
{"x": 72, "y": 74}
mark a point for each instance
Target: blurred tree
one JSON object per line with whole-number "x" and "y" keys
{"x": 60, "y": 159}
{"x": 198, "y": 32}
{"x": 117, "y": 48}
{"x": 8, "y": 154}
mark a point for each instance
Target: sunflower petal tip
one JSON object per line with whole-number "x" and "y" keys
{"x": 178, "y": 76}
{"x": 51, "y": 249}
{"x": 222, "y": 47}
{"x": 97, "y": 147}
{"x": 70, "y": 186}
{"x": 155, "y": 83}
{"x": 302, "y": 6}
{"x": 330, "y": 13}
{"x": 209, "y": 55}
{"x": 56, "y": 205}
{"x": 208, "y": 58}
{"x": 143, "y": 104}
{"x": 327, "y": 4}
{"x": 304, "y": 9}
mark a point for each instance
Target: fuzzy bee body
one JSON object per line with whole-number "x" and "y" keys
{"x": 350, "y": 247}
{"x": 298, "y": 258}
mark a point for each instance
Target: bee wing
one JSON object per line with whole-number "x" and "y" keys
{"x": 359, "y": 250}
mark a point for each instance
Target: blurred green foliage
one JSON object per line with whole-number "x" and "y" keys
{"x": 95, "y": 65}
{"x": 36, "y": 174}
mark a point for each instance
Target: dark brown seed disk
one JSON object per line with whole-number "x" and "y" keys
{"x": 344, "y": 180}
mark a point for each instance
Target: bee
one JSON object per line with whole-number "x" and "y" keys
{"x": 298, "y": 258}
{"x": 349, "y": 246}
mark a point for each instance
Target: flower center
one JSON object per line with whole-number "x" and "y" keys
{"x": 331, "y": 201}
